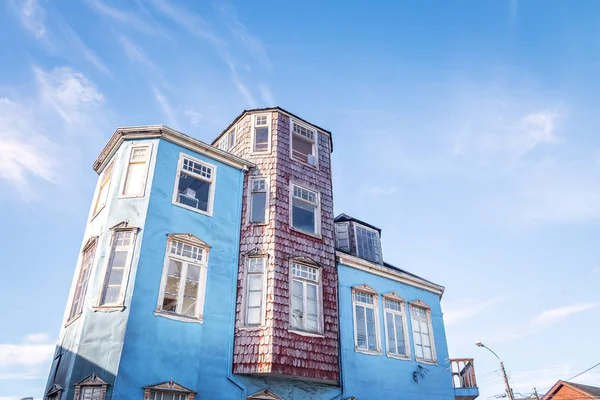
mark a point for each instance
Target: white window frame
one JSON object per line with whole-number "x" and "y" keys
{"x": 97, "y": 207}
{"x": 212, "y": 180}
{"x": 263, "y": 275}
{"x": 314, "y": 141}
{"x": 158, "y": 392}
{"x": 226, "y": 143}
{"x": 91, "y": 246}
{"x": 118, "y": 305}
{"x": 201, "y": 295}
{"x": 142, "y": 190}
{"x": 83, "y": 389}
{"x": 375, "y": 307}
{"x": 317, "y": 232}
{"x": 254, "y": 126}
{"x": 338, "y": 225}
{"x": 402, "y": 314}
{"x": 422, "y": 305}
{"x": 318, "y": 282}
{"x": 379, "y": 252}
{"x": 250, "y": 199}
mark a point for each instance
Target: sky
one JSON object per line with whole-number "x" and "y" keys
{"x": 466, "y": 130}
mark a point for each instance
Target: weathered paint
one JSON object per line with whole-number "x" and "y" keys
{"x": 366, "y": 376}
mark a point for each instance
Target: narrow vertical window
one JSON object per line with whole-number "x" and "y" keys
{"x": 342, "y": 240}
{"x": 306, "y": 302}
{"x": 134, "y": 184}
{"x": 231, "y": 138}
{"x": 422, "y": 336}
{"x": 194, "y": 185}
{"x": 87, "y": 260}
{"x": 366, "y": 330}
{"x": 261, "y": 133}
{"x": 258, "y": 200}
{"x": 305, "y": 215}
{"x": 184, "y": 279}
{"x": 254, "y": 290}
{"x": 304, "y": 144}
{"x": 367, "y": 243}
{"x": 120, "y": 256}
{"x": 104, "y": 188}
{"x": 395, "y": 327}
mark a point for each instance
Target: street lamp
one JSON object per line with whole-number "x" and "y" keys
{"x": 508, "y": 390}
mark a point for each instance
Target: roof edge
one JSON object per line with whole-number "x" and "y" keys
{"x": 173, "y": 136}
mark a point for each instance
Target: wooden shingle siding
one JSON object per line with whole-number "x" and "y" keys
{"x": 273, "y": 349}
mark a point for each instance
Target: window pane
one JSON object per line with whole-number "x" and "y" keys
{"x": 119, "y": 259}
{"x": 259, "y": 202}
{"x": 134, "y": 180}
{"x": 303, "y": 216}
{"x": 193, "y": 192}
{"x": 372, "y": 340}
{"x": 256, "y": 264}
{"x": 427, "y": 353}
{"x": 169, "y": 303}
{"x": 254, "y": 282}
{"x": 261, "y": 139}
{"x": 301, "y": 148}
{"x": 361, "y": 330}
{"x": 390, "y": 332}
{"x": 400, "y": 334}
{"x": 253, "y": 316}
{"x": 193, "y": 272}
{"x": 424, "y": 327}
{"x": 297, "y": 304}
{"x": 197, "y": 168}
{"x": 368, "y": 244}
{"x": 172, "y": 285}
{"x": 115, "y": 277}
{"x": 419, "y": 351}
{"x": 168, "y": 396}
{"x": 111, "y": 295}
{"x": 191, "y": 288}
{"x": 232, "y": 138}
{"x": 189, "y": 306}
{"x": 363, "y": 297}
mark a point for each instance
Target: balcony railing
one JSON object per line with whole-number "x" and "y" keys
{"x": 463, "y": 373}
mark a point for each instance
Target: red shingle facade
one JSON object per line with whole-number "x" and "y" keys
{"x": 272, "y": 348}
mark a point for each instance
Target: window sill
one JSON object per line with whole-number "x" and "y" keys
{"x": 178, "y": 317}
{"x": 108, "y": 309}
{"x": 208, "y": 214}
{"x": 257, "y": 224}
{"x": 314, "y": 235}
{"x": 252, "y": 328}
{"x": 367, "y": 352}
{"x": 305, "y": 333}
{"x": 428, "y": 362}
{"x": 130, "y": 196}
{"x": 75, "y": 318}
{"x": 260, "y": 153}
{"x": 398, "y": 356}
{"x": 316, "y": 167}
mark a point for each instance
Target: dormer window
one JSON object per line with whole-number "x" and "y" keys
{"x": 368, "y": 245}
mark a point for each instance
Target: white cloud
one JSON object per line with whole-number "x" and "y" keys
{"x": 556, "y": 314}
{"x": 267, "y": 95}
{"x": 74, "y": 42}
{"x": 194, "y": 116}
{"x": 19, "y": 160}
{"x": 26, "y": 353}
{"x": 31, "y": 15}
{"x": 135, "y": 53}
{"x": 466, "y": 309}
{"x": 138, "y": 20}
{"x": 165, "y": 106}
{"x": 69, "y": 92}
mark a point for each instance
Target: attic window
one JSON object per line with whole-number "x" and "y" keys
{"x": 368, "y": 245}
{"x": 304, "y": 144}
{"x": 342, "y": 240}
{"x": 262, "y": 142}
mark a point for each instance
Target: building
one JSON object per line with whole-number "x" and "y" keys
{"x": 570, "y": 391}
{"x": 219, "y": 272}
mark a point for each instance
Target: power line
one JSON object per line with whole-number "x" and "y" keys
{"x": 589, "y": 369}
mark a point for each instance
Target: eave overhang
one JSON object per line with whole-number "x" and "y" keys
{"x": 171, "y": 135}
{"x": 386, "y": 272}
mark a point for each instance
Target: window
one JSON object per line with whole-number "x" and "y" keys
{"x": 164, "y": 395}
{"x": 303, "y": 144}
{"x": 104, "y": 187}
{"x": 305, "y": 307}
{"x": 184, "y": 278}
{"x": 90, "y": 388}
{"x": 258, "y": 200}
{"x": 254, "y": 290}
{"x": 342, "y": 241}
{"x": 227, "y": 141}
{"x": 366, "y": 330}
{"x": 134, "y": 183}
{"x": 305, "y": 213}
{"x": 262, "y": 139}
{"x": 87, "y": 261}
{"x": 194, "y": 185}
{"x": 367, "y": 243}
{"x": 91, "y": 393}
{"x": 395, "y": 327}
{"x": 422, "y": 336}
{"x": 113, "y": 289}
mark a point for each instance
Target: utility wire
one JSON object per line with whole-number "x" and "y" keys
{"x": 579, "y": 374}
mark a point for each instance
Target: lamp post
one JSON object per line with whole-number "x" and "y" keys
{"x": 509, "y": 392}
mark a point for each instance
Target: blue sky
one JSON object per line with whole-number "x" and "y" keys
{"x": 466, "y": 130}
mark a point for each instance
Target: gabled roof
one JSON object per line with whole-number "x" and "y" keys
{"x": 170, "y": 386}
{"x": 345, "y": 217}
{"x": 264, "y": 395}
{"x": 586, "y": 392}
{"x": 277, "y": 108}
{"x": 92, "y": 380}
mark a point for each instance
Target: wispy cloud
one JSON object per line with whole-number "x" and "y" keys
{"x": 135, "y": 53}
{"x": 267, "y": 95}
{"x": 467, "y": 309}
{"x": 74, "y": 42}
{"x": 556, "y": 314}
{"x": 69, "y": 92}
{"x": 194, "y": 116}
{"x": 25, "y": 353}
{"x": 31, "y": 15}
{"x": 165, "y": 106}
{"x": 128, "y": 19}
